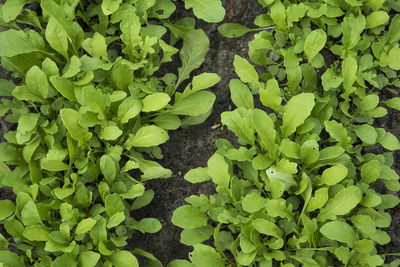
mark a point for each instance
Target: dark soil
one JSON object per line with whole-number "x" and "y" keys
{"x": 190, "y": 148}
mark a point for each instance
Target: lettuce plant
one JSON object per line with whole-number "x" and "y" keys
{"x": 90, "y": 111}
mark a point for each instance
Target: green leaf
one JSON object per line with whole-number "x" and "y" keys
{"x": 314, "y": 43}
{"x": 116, "y": 219}
{"x": 113, "y": 204}
{"x": 30, "y": 214}
{"x": 110, "y": 133}
{"x": 188, "y": 217}
{"x": 88, "y": 258}
{"x": 147, "y": 225}
{"x": 180, "y": 263}
{"x": 167, "y": 121}
{"x": 155, "y": 102}
{"x": 265, "y": 130}
{"x": 11, "y": 259}
{"x": 339, "y": 231}
{"x": 364, "y": 223}
{"x": 96, "y": 46}
{"x": 376, "y": 19}
{"x": 246, "y": 72}
{"x": 330, "y": 80}
{"x": 70, "y": 119}
{"x": 338, "y": 132}
{"x": 253, "y": 202}
{"x": 352, "y": 29}
{"x": 108, "y": 168}
{"x": 7, "y": 208}
{"x": 204, "y": 81}
{"x": 392, "y": 59}
{"x": 149, "y": 136}
{"x": 208, "y": 10}
{"x": 11, "y": 9}
{"x": 36, "y": 81}
{"x": 195, "y": 48}
{"x": 143, "y": 200}
{"x": 393, "y": 102}
{"x": 334, "y": 175}
{"x": 64, "y": 86}
{"x": 218, "y": 169}
{"x": 194, "y": 104}
{"x": 267, "y": 228}
{"x": 233, "y": 30}
{"x": 197, "y": 235}
{"x": 13, "y": 42}
{"x": 85, "y": 226}
{"x": 203, "y": 256}
{"x": 342, "y": 203}
{"x": 197, "y": 175}
{"x": 270, "y": 96}
{"x": 240, "y": 94}
{"x": 296, "y": 111}
{"x": 110, "y": 6}
{"x": 349, "y": 72}
{"x": 366, "y": 133}
{"x": 128, "y": 109}
{"x": 54, "y": 165}
{"x": 123, "y": 258}
{"x": 278, "y": 14}
{"x": 57, "y": 37}
{"x": 389, "y": 141}
{"x": 394, "y": 29}
{"x": 318, "y": 200}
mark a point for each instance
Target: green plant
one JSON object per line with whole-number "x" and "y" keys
{"x": 338, "y": 50}
{"x": 300, "y": 188}
{"x": 286, "y": 195}
{"x": 90, "y": 109}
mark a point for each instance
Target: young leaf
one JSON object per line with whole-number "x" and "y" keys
{"x": 148, "y": 136}
{"x": 194, "y": 104}
{"x": 13, "y": 42}
{"x": 188, "y": 217}
{"x": 123, "y": 258}
{"x": 195, "y": 47}
{"x": 339, "y": 231}
{"x": 208, "y": 10}
{"x": 240, "y": 94}
{"x": 84, "y": 226}
{"x": 246, "y": 71}
{"x": 218, "y": 170}
{"x": 233, "y": 30}
{"x": 204, "y": 255}
{"x": 70, "y": 119}
{"x": 342, "y": 203}
{"x": 334, "y": 175}
{"x": 204, "y": 81}
{"x": 155, "y": 102}
{"x": 314, "y": 43}
{"x": 296, "y": 111}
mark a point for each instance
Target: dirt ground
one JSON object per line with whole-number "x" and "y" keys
{"x": 190, "y": 148}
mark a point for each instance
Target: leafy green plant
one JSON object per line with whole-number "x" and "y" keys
{"x": 90, "y": 113}
{"x": 286, "y": 195}
{"x": 300, "y": 188}
{"x": 338, "y": 50}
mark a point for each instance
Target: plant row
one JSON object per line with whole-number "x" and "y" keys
{"x": 90, "y": 111}
{"x": 299, "y": 187}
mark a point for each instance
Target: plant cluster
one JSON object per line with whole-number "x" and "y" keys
{"x": 91, "y": 112}
{"x": 300, "y": 188}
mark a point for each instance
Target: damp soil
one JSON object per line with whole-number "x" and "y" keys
{"x": 190, "y": 148}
